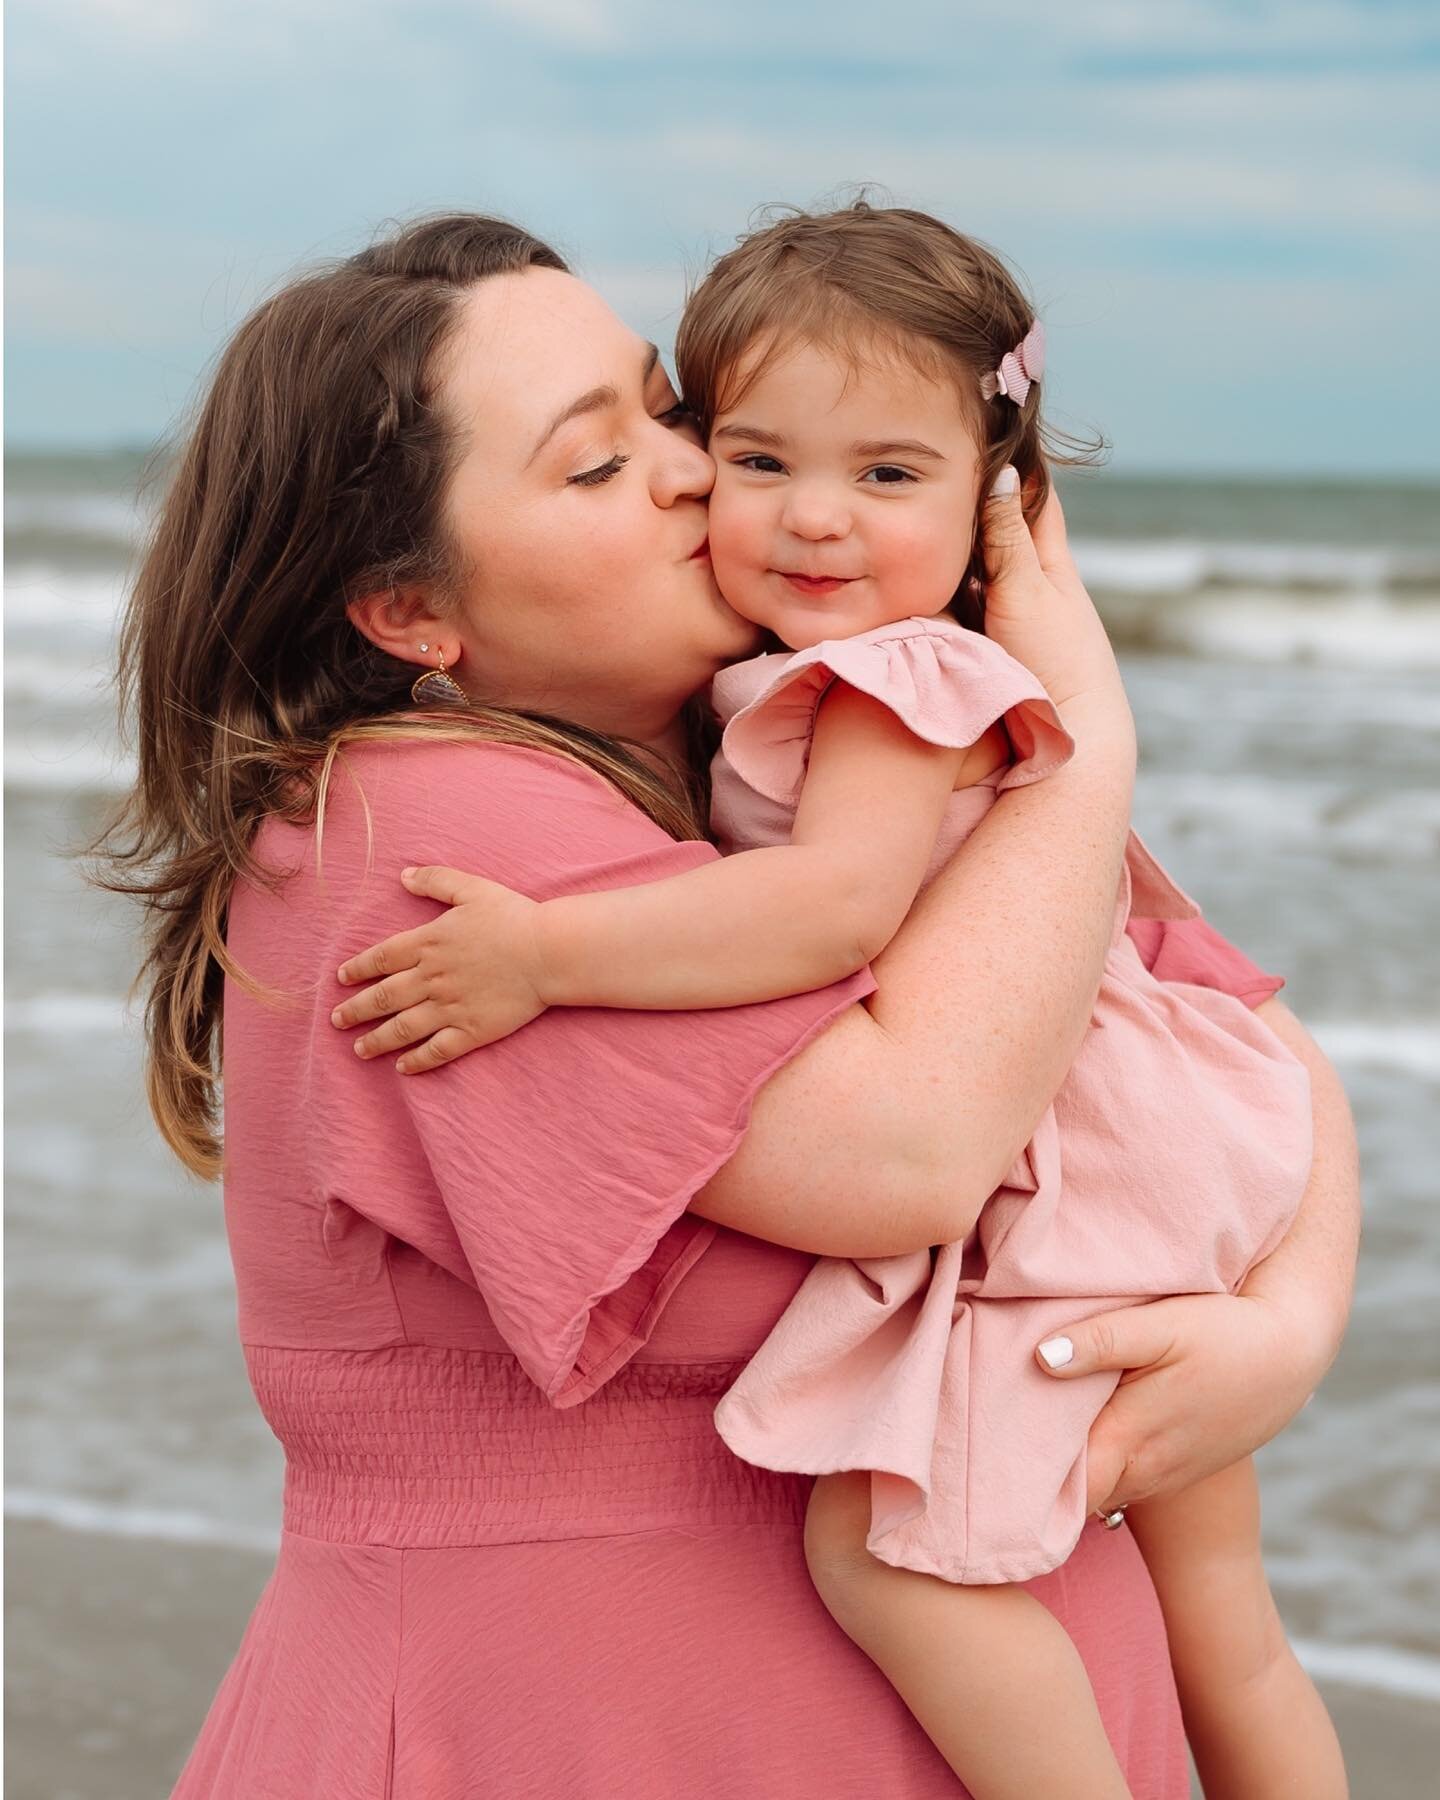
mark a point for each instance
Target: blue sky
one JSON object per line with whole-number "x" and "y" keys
{"x": 1230, "y": 214}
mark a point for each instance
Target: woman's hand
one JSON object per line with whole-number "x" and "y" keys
{"x": 1036, "y": 607}
{"x": 1207, "y": 1378}
{"x": 467, "y": 978}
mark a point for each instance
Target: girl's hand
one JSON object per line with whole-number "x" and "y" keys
{"x": 1207, "y": 1378}
{"x": 467, "y": 978}
{"x": 1036, "y": 607}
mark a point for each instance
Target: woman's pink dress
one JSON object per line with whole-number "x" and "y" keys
{"x": 517, "y": 1561}
{"x": 1173, "y": 1159}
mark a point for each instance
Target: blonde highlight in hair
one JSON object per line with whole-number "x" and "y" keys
{"x": 877, "y": 284}
{"x": 315, "y": 473}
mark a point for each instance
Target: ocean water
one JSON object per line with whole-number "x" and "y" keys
{"x": 1282, "y": 647}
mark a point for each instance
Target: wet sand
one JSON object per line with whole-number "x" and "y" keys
{"x": 116, "y": 1646}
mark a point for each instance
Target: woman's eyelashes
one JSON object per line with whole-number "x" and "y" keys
{"x": 673, "y": 416}
{"x": 601, "y": 472}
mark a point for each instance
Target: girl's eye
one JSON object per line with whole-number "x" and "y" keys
{"x": 678, "y": 414}
{"x": 753, "y": 462}
{"x": 887, "y": 475}
{"x": 602, "y": 472}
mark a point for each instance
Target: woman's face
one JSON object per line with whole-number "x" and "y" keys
{"x": 578, "y": 508}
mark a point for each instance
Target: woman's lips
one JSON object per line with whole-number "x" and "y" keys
{"x": 815, "y": 585}
{"x": 701, "y": 549}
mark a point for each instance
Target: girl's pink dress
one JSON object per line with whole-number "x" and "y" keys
{"x": 1173, "y": 1159}
{"x": 517, "y": 1561}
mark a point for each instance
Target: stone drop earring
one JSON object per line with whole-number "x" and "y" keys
{"x": 436, "y": 688}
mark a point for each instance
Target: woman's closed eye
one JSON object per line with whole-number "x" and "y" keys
{"x": 676, "y": 417}
{"x": 601, "y": 472}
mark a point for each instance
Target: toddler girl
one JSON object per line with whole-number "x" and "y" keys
{"x": 862, "y": 377}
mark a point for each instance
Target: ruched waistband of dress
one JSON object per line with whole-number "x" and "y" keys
{"x": 423, "y": 1446}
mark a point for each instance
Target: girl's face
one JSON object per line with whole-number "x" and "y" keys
{"x": 845, "y": 495}
{"x": 578, "y": 506}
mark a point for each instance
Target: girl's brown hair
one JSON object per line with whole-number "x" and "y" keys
{"x": 870, "y": 281}
{"x": 315, "y": 473}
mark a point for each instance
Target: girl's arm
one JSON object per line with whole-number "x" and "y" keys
{"x": 776, "y": 921}
{"x": 754, "y": 926}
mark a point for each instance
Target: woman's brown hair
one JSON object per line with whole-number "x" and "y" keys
{"x": 314, "y": 473}
{"x": 874, "y": 281}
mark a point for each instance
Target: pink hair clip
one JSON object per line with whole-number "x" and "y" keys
{"x": 1018, "y": 368}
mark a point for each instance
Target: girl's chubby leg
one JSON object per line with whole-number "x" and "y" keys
{"x": 1258, "y": 1729}
{"x": 989, "y": 1673}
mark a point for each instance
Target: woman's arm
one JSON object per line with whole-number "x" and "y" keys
{"x": 1208, "y": 1378}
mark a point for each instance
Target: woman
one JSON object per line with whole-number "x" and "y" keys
{"x": 489, "y": 1312}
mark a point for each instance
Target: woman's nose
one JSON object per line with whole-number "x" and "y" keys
{"x": 683, "y": 471}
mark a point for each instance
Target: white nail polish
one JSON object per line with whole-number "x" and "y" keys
{"x": 1057, "y": 1351}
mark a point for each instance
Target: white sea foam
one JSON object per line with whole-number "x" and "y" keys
{"x": 1407, "y": 1049}
{"x": 36, "y": 764}
{"x": 108, "y": 1519}
{"x": 69, "y": 1015}
{"x": 1184, "y": 566}
{"x": 1376, "y": 1666}
{"x": 46, "y": 595}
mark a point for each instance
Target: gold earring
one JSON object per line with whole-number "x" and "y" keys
{"x": 436, "y": 688}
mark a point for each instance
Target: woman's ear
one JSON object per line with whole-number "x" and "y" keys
{"x": 399, "y": 621}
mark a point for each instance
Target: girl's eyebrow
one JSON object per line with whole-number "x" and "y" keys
{"x": 867, "y": 448}
{"x": 752, "y": 433}
{"x": 874, "y": 447}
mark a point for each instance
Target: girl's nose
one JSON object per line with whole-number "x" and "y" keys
{"x": 810, "y": 513}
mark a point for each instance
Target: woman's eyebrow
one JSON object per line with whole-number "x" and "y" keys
{"x": 595, "y": 399}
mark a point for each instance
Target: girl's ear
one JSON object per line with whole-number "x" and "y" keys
{"x": 399, "y": 621}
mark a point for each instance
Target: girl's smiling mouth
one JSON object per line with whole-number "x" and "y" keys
{"x": 816, "y": 584}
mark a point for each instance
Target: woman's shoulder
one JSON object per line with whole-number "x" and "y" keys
{"x": 519, "y": 815}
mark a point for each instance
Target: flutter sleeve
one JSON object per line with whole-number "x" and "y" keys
{"x": 1192, "y": 950}
{"x": 552, "y": 1170}
{"x": 947, "y": 684}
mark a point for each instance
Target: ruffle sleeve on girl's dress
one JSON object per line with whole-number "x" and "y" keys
{"x": 947, "y": 684}
{"x": 552, "y": 1170}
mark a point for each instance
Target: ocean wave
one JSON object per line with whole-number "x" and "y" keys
{"x": 48, "y": 595}
{"x": 69, "y": 1015}
{"x": 92, "y": 515}
{"x": 1178, "y": 566}
{"x": 74, "y": 1513}
{"x": 69, "y": 766}
{"x": 1365, "y": 631}
{"x": 1379, "y": 1667}
{"x": 1338, "y": 818}
{"x": 1405, "y": 1049}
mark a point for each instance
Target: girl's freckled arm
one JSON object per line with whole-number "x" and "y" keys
{"x": 764, "y": 923}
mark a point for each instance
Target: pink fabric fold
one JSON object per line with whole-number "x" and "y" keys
{"x": 1171, "y": 1161}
